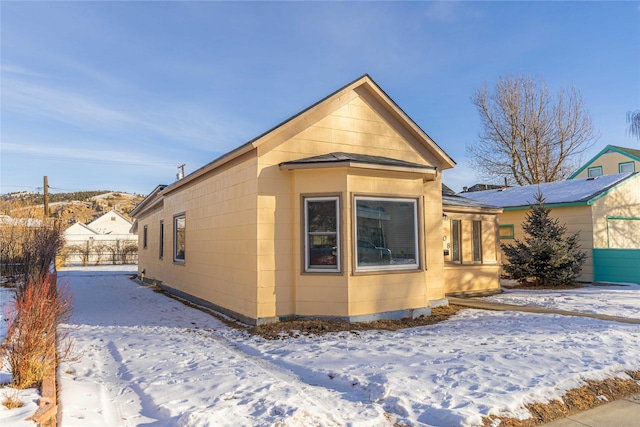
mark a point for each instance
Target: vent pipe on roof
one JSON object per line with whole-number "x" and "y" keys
{"x": 180, "y": 173}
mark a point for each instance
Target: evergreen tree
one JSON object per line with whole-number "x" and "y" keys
{"x": 545, "y": 255}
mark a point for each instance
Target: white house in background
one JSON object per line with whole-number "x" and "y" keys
{"x": 107, "y": 239}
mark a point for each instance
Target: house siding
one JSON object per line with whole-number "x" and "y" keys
{"x": 610, "y": 164}
{"x": 577, "y": 219}
{"x": 244, "y": 219}
{"x": 469, "y": 277}
{"x": 621, "y": 202}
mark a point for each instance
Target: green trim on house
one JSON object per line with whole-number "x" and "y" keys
{"x": 620, "y": 164}
{"x": 631, "y": 177}
{"x": 511, "y": 235}
{"x": 547, "y": 205}
{"x": 629, "y": 152}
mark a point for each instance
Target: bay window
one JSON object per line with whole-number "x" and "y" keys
{"x": 386, "y": 233}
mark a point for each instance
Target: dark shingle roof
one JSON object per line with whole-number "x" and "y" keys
{"x": 453, "y": 200}
{"x": 630, "y": 151}
{"x": 357, "y": 158}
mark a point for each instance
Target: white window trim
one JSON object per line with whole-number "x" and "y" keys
{"x": 622, "y": 164}
{"x": 316, "y": 269}
{"x": 594, "y": 168}
{"x": 387, "y": 267}
{"x": 175, "y": 238}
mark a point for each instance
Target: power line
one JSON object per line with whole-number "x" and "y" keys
{"x": 80, "y": 160}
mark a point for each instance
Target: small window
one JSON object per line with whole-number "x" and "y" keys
{"x": 626, "y": 167}
{"x": 144, "y": 237}
{"x": 161, "y": 248}
{"x": 477, "y": 240}
{"x": 322, "y": 234}
{"x": 455, "y": 240}
{"x": 179, "y": 237}
{"x": 386, "y": 234}
{"x": 113, "y": 218}
{"x": 507, "y": 232}
{"x": 595, "y": 171}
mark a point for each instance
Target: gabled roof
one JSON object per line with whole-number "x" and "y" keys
{"x": 572, "y": 192}
{"x": 148, "y": 201}
{"x": 464, "y": 202}
{"x": 101, "y": 218}
{"x": 629, "y": 152}
{"x": 291, "y": 125}
{"x": 357, "y": 160}
{"x": 81, "y": 226}
{"x": 452, "y": 202}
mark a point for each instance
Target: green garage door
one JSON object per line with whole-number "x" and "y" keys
{"x": 616, "y": 265}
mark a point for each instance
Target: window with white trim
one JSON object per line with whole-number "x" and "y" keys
{"x": 144, "y": 237}
{"x": 179, "y": 235}
{"x": 594, "y": 171}
{"x": 322, "y": 234}
{"x": 626, "y": 167}
{"x": 386, "y": 233}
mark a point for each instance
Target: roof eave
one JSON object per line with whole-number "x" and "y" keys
{"x": 430, "y": 171}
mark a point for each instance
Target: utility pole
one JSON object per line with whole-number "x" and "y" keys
{"x": 46, "y": 197}
{"x": 180, "y": 174}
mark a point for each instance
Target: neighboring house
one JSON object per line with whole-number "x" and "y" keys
{"x": 106, "y": 239}
{"x": 610, "y": 161}
{"x": 335, "y": 213}
{"x": 471, "y": 245}
{"x": 605, "y": 211}
{"x": 482, "y": 187}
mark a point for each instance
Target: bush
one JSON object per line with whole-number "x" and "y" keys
{"x": 39, "y": 307}
{"x": 546, "y": 255}
{"x": 28, "y": 246}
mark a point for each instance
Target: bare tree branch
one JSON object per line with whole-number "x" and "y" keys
{"x": 527, "y": 136}
{"x": 633, "y": 118}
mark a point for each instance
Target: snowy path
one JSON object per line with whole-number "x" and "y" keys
{"x": 150, "y": 360}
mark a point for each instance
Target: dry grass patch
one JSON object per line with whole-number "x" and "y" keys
{"x": 593, "y": 394}
{"x": 297, "y": 327}
{"x": 12, "y": 400}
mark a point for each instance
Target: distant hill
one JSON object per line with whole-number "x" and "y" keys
{"x": 80, "y": 206}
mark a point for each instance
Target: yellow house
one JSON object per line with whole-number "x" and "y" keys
{"x": 604, "y": 210}
{"x": 471, "y": 245}
{"x": 335, "y": 213}
{"x": 611, "y": 160}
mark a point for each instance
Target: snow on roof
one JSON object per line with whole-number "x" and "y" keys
{"x": 571, "y": 191}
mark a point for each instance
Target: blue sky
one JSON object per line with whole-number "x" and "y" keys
{"x": 116, "y": 95}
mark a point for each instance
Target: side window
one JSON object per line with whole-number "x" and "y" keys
{"x": 455, "y": 240}
{"x": 595, "y": 171}
{"x": 144, "y": 237}
{"x": 627, "y": 167}
{"x": 386, "y": 234}
{"x": 507, "y": 232}
{"x": 179, "y": 235}
{"x": 161, "y": 248}
{"x": 477, "y": 240}
{"x": 321, "y": 234}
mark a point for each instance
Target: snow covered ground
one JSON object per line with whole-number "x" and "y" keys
{"x": 150, "y": 360}
{"x": 613, "y": 300}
